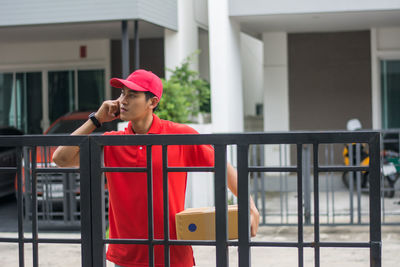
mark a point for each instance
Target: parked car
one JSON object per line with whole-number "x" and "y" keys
{"x": 58, "y": 194}
{"x": 8, "y": 158}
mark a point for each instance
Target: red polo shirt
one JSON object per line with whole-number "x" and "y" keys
{"x": 128, "y": 194}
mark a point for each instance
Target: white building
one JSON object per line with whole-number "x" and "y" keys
{"x": 273, "y": 65}
{"x": 302, "y": 65}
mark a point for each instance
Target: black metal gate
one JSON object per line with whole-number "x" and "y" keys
{"x": 93, "y": 240}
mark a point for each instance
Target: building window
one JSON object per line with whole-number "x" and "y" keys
{"x": 90, "y": 89}
{"x": 21, "y": 101}
{"x": 6, "y": 81}
{"x": 390, "y": 79}
{"x": 61, "y": 93}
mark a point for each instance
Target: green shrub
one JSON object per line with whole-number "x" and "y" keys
{"x": 185, "y": 94}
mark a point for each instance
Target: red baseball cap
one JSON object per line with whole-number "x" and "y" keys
{"x": 140, "y": 80}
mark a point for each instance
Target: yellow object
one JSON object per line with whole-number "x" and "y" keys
{"x": 364, "y": 160}
{"x": 199, "y": 223}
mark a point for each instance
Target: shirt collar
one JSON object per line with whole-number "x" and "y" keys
{"x": 155, "y": 127}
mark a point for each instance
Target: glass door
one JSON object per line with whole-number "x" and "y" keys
{"x": 68, "y": 90}
{"x": 390, "y": 84}
{"x": 90, "y": 89}
{"x": 6, "y": 96}
{"x": 61, "y": 93}
{"x": 74, "y": 90}
{"x": 21, "y": 104}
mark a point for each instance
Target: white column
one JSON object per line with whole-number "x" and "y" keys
{"x": 276, "y": 86}
{"x": 182, "y": 43}
{"x": 276, "y": 93}
{"x": 45, "y": 123}
{"x": 225, "y": 69}
{"x": 375, "y": 80}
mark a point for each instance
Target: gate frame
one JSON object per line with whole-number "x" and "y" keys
{"x": 92, "y": 233}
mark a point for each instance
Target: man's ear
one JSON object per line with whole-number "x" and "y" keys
{"x": 154, "y": 102}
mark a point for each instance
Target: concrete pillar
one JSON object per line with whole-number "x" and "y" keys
{"x": 225, "y": 69}
{"x": 375, "y": 82}
{"x": 276, "y": 93}
{"x": 178, "y": 46}
{"x": 125, "y": 49}
{"x": 182, "y": 43}
{"x": 276, "y": 86}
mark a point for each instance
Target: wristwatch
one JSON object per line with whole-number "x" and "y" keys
{"x": 93, "y": 118}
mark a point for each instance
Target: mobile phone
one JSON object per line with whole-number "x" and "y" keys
{"x": 118, "y": 110}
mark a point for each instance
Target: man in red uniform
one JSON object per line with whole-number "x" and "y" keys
{"x": 140, "y": 95}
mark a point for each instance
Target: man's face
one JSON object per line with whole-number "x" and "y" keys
{"x": 133, "y": 105}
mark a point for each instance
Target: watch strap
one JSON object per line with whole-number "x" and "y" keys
{"x": 95, "y": 121}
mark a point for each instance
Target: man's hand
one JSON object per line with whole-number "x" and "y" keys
{"x": 232, "y": 185}
{"x": 68, "y": 156}
{"x": 108, "y": 111}
{"x": 254, "y": 219}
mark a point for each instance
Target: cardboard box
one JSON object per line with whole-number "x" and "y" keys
{"x": 199, "y": 223}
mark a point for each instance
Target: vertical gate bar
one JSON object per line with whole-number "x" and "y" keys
{"x": 382, "y": 181}
{"x": 327, "y": 183}
{"x": 316, "y": 205}
{"x": 20, "y": 208}
{"x": 300, "y": 204}
{"x": 374, "y": 203}
{"x": 166, "y": 208}
{"x": 358, "y": 175}
{"x": 28, "y": 191}
{"x": 254, "y": 162}
{"x": 243, "y": 206}
{"x": 351, "y": 183}
{"x": 150, "y": 204}
{"x": 35, "y": 250}
{"x": 280, "y": 183}
{"x": 66, "y": 196}
{"x": 307, "y": 185}
{"x": 221, "y": 233}
{"x": 286, "y": 187}
{"x": 262, "y": 184}
{"x": 333, "y": 191}
{"x": 97, "y": 204}
{"x": 383, "y": 202}
{"x": 85, "y": 203}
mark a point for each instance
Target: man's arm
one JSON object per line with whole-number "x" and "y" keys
{"x": 232, "y": 185}
{"x": 68, "y": 156}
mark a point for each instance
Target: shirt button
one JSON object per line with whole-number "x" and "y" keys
{"x": 140, "y": 148}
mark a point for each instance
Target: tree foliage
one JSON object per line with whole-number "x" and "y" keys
{"x": 185, "y": 94}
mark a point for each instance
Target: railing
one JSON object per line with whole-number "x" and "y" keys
{"x": 342, "y": 194}
{"x": 93, "y": 239}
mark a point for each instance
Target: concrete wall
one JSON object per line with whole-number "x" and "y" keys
{"x": 184, "y": 42}
{"x": 276, "y": 104}
{"x": 31, "y": 54}
{"x": 204, "y": 57}
{"x": 225, "y": 69}
{"x": 251, "y": 54}
{"x": 329, "y": 80}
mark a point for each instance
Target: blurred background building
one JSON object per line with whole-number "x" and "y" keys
{"x": 273, "y": 65}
